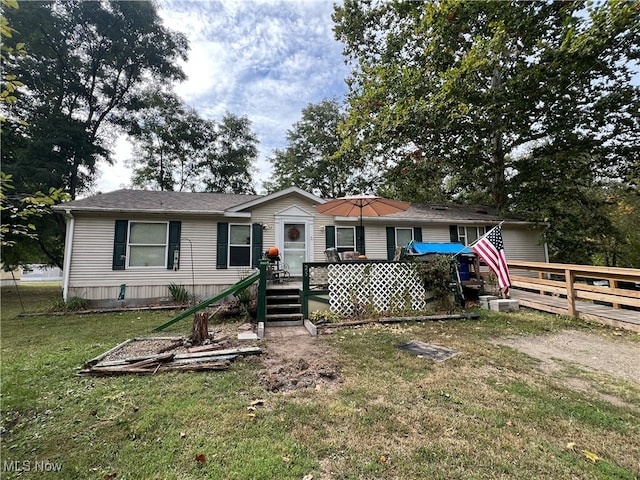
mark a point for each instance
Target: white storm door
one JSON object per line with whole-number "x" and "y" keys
{"x": 294, "y": 238}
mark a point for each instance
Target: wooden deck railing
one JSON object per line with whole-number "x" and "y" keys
{"x": 619, "y": 287}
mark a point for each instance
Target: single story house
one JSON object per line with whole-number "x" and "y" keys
{"x": 128, "y": 246}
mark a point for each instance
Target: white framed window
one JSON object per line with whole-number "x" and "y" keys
{"x": 147, "y": 244}
{"x": 468, "y": 234}
{"x": 346, "y": 239}
{"x": 403, "y": 236}
{"x": 239, "y": 245}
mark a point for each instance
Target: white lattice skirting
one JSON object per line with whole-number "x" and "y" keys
{"x": 356, "y": 288}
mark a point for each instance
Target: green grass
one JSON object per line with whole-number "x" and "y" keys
{"x": 487, "y": 413}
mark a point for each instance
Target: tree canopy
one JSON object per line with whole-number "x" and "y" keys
{"x": 86, "y": 64}
{"x": 83, "y": 65}
{"x": 312, "y": 159}
{"x": 520, "y": 105}
{"x": 176, "y": 149}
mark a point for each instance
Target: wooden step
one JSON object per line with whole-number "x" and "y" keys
{"x": 283, "y": 297}
{"x": 283, "y": 305}
{"x": 283, "y": 316}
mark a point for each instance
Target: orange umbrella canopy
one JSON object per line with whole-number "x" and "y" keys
{"x": 362, "y": 206}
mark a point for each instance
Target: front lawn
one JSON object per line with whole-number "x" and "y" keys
{"x": 490, "y": 412}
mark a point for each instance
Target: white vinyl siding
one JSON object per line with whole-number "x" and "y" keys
{"x": 91, "y": 276}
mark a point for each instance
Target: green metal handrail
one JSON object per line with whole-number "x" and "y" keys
{"x": 235, "y": 288}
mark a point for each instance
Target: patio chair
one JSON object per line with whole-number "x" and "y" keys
{"x": 277, "y": 272}
{"x": 332, "y": 255}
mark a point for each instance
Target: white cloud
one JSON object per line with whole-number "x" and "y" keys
{"x": 263, "y": 59}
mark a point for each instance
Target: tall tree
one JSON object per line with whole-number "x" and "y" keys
{"x": 176, "y": 149}
{"x": 312, "y": 159}
{"x": 229, "y": 156}
{"x": 87, "y": 63}
{"x": 504, "y": 101}
{"x": 168, "y": 137}
{"x": 472, "y": 84}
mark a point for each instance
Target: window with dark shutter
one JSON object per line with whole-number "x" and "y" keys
{"x": 120, "y": 244}
{"x": 173, "y": 259}
{"x": 222, "y": 245}
{"x": 391, "y": 242}
{"x": 360, "y": 246}
{"x": 330, "y": 236}
{"x": 256, "y": 246}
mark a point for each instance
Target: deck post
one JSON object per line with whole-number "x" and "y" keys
{"x": 614, "y": 284}
{"x": 541, "y": 276}
{"x": 261, "y": 307}
{"x": 569, "y": 276}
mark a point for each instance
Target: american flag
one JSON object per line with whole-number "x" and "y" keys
{"x": 491, "y": 249}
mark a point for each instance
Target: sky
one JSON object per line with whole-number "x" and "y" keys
{"x": 266, "y": 59}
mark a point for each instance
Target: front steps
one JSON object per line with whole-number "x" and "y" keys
{"x": 283, "y": 306}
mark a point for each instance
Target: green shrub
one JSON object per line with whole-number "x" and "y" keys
{"x": 321, "y": 316}
{"x": 74, "y": 304}
{"x": 179, "y": 293}
{"x": 438, "y": 274}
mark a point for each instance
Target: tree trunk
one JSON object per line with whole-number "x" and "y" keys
{"x": 200, "y": 330}
{"x": 498, "y": 182}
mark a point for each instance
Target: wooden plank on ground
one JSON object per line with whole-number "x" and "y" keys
{"x": 95, "y": 360}
{"x": 228, "y": 351}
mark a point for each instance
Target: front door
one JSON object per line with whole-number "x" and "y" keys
{"x": 294, "y": 248}
{"x": 294, "y": 238}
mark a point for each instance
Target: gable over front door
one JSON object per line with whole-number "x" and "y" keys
{"x": 294, "y": 238}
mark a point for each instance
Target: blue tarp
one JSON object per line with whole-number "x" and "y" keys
{"x": 424, "y": 248}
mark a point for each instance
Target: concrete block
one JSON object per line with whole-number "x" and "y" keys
{"x": 485, "y": 299}
{"x": 311, "y": 328}
{"x": 261, "y": 330}
{"x": 504, "y": 305}
{"x": 247, "y": 336}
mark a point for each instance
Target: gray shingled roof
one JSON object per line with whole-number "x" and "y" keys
{"x": 154, "y": 201}
{"x": 209, "y": 203}
{"x": 432, "y": 212}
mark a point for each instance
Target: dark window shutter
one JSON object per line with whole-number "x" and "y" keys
{"x": 391, "y": 242}
{"x": 223, "y": 242}
{"x": 360, "y": 239}
{"x": 330, "y": 236}
{"x": 256, "y": 245}
{"x": 174, "y": 244}
{"x": 417, "y": 234}
{"x": 120, "y": 245}
{"x": 453, "y": 233}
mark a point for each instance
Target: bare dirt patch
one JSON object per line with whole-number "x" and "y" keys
{"x": 294, "y": 360}
{"x": 616, "y": 356}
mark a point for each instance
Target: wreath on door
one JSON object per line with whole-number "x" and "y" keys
{"x": 294, "y": 234}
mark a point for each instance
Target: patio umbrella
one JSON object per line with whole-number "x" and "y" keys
{"x": 362, "y": 206}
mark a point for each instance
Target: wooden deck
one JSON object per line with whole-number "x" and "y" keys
{"x": 615, "y": 317}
